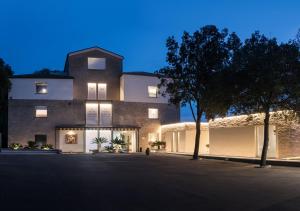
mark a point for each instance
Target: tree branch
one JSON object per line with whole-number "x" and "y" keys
{"x": 191, "y": 107}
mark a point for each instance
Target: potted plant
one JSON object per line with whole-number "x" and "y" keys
{"x": 99, "y": 141}
{"x": 158, "y": 145}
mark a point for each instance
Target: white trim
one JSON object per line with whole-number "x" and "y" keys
{"x": 98, "y": 49}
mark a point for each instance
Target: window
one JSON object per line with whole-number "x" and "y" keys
{"x": 91, "y": 113}
{"x": 152, "y": 137}
{"x": 101, "y": 91}
{"x": 152, "y": 91}
{"x": 40, "y": 139}
{"x": 105, "y": 114}
{"x": 41, "y": 111}
{"x": 92, "y": 91}
{"x": 152, "y": 113}
{"x": 41, "y": 88}
{"x": 96, "y": 63}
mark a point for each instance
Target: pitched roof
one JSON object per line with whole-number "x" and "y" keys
{"x": 95, "y": 48}
{"x": 140, "y": 73}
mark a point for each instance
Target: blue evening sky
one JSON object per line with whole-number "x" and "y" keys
{"x": 39, "y": 33}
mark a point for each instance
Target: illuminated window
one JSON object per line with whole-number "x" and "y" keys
{"x": 152, "y": 137}
{"x": 41, "y": 111}
{"x": 152, "y": 113}
{"x": 105, "y": 114}
{"x": 152, "y": 91}
{"x": 91, "y": 113}
{"x": 101, "y": 91}
{"x": 92, "y": 91}
{"x": 41, "y": 88}
{"x": 96, "y": 63}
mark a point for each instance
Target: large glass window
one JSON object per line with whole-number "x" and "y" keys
{"x": 101, "y": 91}
{"x": 105, "y": 114}
{"x": 91, "y": 113}
{"x": 96, "y": 63}
{"x": 153, "y": 113}
{"x": 92, "y": 91}
{"x": 41, "y": 88}
{"x": 41, "y": 111}
{"x": 152, "y": 91}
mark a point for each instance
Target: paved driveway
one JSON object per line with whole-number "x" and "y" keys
{"x": 137, "y": 182}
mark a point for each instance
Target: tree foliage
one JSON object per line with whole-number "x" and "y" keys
{"x": 5, "y": 85}
{"x": 266, "y": 78}
{"x": 195, "y": 72}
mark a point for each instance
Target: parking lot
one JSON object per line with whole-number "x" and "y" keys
{"x": 136, "y": 182}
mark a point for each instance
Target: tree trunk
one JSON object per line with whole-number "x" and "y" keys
{"x": 264, "y": 152}
{"x": 198, "y": 133}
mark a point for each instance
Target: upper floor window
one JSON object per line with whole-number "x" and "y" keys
{"x": 41, "y": 88}
{"x": 96, "y": 63}
{"x": 91, "y": 113}
{"x": 105, "y": 114}
{"x": 92, "y": 91}
{"x": 41, "y": 111}
{"x": 152, "y": 91}
{"x": 152, "y": 113}
{"x": 102, "y": 91}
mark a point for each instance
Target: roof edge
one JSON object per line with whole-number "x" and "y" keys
{"x": 94, "y": 48}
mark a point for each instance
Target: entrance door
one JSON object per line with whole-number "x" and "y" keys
{"x": 90, "y": 135}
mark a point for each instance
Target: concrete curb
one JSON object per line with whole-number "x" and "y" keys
{"x": 273, "y": 162}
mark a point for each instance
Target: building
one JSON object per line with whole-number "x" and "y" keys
{"x": 236, "y": 136}
{"x": 93, "y": 97}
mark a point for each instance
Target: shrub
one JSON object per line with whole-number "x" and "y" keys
{"x": 31, "y": 145}
{"x": 15, "y": 146}
{"x": 159, "y": 144}
{"x": 47, "y": 147}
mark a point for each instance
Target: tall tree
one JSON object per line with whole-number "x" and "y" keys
{"x": 267, "y": 79}
{"x": 195, "y": 70}
{"x": 5, "y": 73}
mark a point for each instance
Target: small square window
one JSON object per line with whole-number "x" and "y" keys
{"x": 41, "y": 88}
{"x": 152, "y": 91}
{"x": 96, "y": 63}
{"x": 41, "y": 111}
{"x": 153, "y": 113}
{"x": 40, "y": 139}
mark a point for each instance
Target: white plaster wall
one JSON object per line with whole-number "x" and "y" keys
{"x": 186, "y": 139}
{"x": 134, "y": 88}
{"x": 234, "y": 141}
{"x": 58, "y": 89}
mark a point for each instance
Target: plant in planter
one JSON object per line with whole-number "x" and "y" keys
{"x": 109, "y": 148}
{"x": 158, "y": 144}
{"x": 15, "y": 146}
{"x": 99, "y": 141}
{"x": 31, "y": 145}
{"x": 119, "y": 144}
{"x": 47, "y": 147}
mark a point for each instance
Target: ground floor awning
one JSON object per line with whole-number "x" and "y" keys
{"x": 96, "y": 127}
